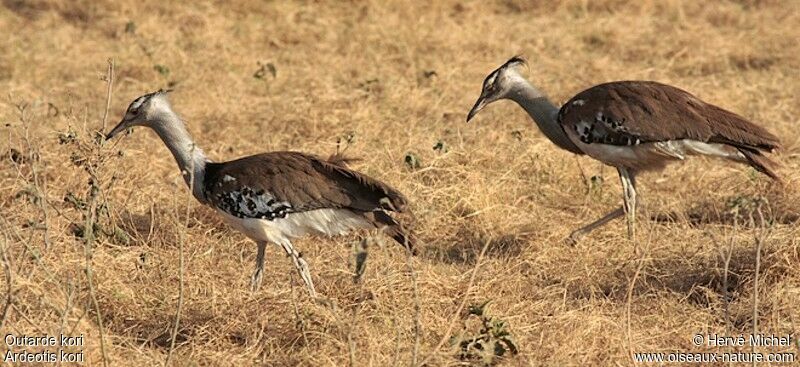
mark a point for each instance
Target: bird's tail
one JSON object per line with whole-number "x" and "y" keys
{"x": 761, "y": 163}
{"x": 393, "y": 229}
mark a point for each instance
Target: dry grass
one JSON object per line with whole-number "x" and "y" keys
{"x": 400, "y": 77}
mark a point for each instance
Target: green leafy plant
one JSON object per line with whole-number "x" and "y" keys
{"x": 596, "y": 183}
{"x": 130, "y": 27}
{"x": 412, "y": 161}
{"x": 67, "y": 137}
{"x": 489, "y": 343}
{"x": 96, "y": 221}
{"x": 744, "y": 208}
{"x": 441, "y": 147}
{"x": 360, "y": 257}
{"x": 161, "y": 69}
{"x": 264, "y": 69}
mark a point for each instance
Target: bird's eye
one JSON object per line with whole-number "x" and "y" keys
{"x": 133, "y": 111}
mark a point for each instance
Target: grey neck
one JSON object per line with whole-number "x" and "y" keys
{"x": 190, "y": 158}
{"x": 544, "y": 114}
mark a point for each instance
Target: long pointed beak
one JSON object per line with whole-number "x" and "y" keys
{"x": 116, "y": 130}
{"x": 479, "y": 105}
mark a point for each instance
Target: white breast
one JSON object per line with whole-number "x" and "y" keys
{"x": 320, "y": 222}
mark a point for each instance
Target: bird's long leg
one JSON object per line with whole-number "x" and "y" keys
{"x": 255, "y": 280}
{"x": 579, "y": 233}
{"x": 301, "y": 265}
{"x": 628, "y": 191}
{"x": 629, "y": 198}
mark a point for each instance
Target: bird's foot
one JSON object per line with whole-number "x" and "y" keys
{"x": 255, "y": 280}
{"x": 575, "y": 237}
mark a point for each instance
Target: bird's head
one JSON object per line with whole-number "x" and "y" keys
{"x": 498, "y": 84}
{"x": 147, "y": 110}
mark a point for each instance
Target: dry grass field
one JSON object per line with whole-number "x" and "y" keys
{"x": 104, "y": 241}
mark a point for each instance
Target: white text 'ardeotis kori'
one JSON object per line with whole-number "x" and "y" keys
{"x": 634, "y": 126}
{"x": 276, "y": 196}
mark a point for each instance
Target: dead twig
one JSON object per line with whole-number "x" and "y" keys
{"x": 584, "y": 179}
{"x": 301, "y": 322}
{"x": 417, "y": 307}
{"x": 182, "y": 241}
{"x": 88, "y": 253}
{"x": 629, "y": 299}
{"x": 457, "y": 314}
{"x": 9, "y": 280}
{"x": 90, "y": 219}
{"x": 759, "y": 240}
{"x": 110, "y": 79}
{"x": 38, "y": 184}
{"x": 67, "y": 307}
{"x": 726, "y": 257}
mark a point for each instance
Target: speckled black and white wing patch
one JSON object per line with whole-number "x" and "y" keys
{"x": 605, "y": 129}
{"x": 245, "y": 202}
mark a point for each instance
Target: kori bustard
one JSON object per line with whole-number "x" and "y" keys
{"x": 634, "y": 126}
{"x": 277, "y": 196}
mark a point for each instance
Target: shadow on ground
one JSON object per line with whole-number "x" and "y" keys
{"x": 700, "y": 281}
{"x": 738, "y": 210}
{"x": 466, "y": 244}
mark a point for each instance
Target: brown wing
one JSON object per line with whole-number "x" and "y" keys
{"x": 273, "y": 184}
{"x": 632, "y": 112}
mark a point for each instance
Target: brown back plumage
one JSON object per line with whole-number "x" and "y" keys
{"x": 632, "y": 112}
{"x": 303, "y": 181}
{"x": 653, "y": 111}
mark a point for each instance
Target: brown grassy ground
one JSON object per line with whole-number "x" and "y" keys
{"x": 398, "y": 77}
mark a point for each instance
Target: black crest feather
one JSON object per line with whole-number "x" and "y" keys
{"x": 518, "y": 59}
